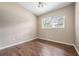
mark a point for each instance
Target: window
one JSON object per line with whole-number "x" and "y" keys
{"x": 53, "y": 22}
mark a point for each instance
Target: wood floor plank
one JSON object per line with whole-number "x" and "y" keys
{"x": 39, "y": 47}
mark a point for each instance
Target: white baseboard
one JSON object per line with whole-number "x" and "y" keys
{"x": 63, "y": 43}
{"x": 16, "y": 44}
{"x": 76, "y": 49}
{"x": 39, "y": 38}
{"x": 57, "y": 41}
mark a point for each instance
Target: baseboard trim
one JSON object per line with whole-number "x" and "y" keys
{"x": 76, "y": 49}
{"x": 16, "y": 44}
{"x": 57, "y": 41}
{"x": 63, "y": 43}
{"x": 40, "y": 38}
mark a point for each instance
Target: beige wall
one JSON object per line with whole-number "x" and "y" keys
{"x": 65, "y": 35}
{"x": 19, "y": 25}
{"x": 16, "y": 24}
{"x": 77, "y": 25}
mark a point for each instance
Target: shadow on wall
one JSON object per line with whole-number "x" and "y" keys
{"x": 16, "y": 24}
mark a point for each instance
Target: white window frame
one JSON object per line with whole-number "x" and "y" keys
{"x": 52, "y": 22}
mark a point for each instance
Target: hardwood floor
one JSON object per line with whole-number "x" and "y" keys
{"x": 39, "y": 47}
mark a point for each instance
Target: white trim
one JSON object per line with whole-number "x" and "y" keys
{"x": 58, "y": 41}
{"x": 16, "y": 44}
{"x": 40, "y": 38}
{"x": 76, "y": 49}
{"x": 63, "y": 43}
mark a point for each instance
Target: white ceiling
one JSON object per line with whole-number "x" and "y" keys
{"x": 50, "y": 6}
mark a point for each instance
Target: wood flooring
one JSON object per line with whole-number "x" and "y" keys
{"x": 39, "y": 47}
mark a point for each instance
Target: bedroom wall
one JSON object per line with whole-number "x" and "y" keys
{"x": 77, "y": 26}
{"x": 63, "y": 35}
{"x": 16, "y": 25}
